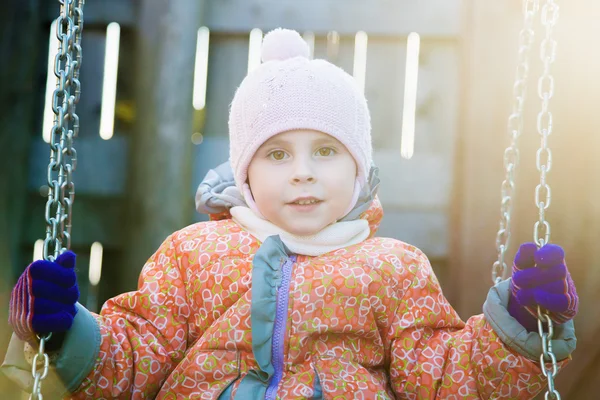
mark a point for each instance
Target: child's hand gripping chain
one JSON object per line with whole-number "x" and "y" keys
{"x": 43, "y": 300}
{"x": 549, "y": 285}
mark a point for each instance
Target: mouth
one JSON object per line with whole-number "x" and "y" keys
{"x": 305, "y": 204}
{"x": 305, "y": 201}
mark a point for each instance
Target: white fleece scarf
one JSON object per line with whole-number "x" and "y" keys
{"x": 333, "y": 237}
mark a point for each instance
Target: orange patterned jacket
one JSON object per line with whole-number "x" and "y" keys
{"x": 218, "y": 315}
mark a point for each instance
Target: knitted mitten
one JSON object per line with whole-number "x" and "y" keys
{"x": 540, "y": 277}
{"x": 43, "y": 300}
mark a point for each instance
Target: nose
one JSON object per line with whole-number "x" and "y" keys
{"x": 302, "y": 173}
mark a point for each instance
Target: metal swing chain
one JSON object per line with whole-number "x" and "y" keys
{"x": 63, "y": 157}
{"x": 541, "y": 230}
{"x": 515, "y": 127}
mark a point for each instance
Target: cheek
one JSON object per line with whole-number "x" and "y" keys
{"x": 342, "y": 178}
{"x": 267, "y": 195}
{"x": 262, "y": 191}
{"x": 344, "y": 190}
{"x": 264, "y": 184}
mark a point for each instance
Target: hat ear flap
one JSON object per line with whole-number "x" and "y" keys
{"x": 249, "y": 198}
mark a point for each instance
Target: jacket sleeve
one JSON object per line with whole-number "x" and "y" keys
{"x": 141, "y": 335}
{"x": 435, "y": 355}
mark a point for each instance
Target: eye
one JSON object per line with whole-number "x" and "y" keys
{"x": 277, "y": 155}
{"x": 325, "y": 151}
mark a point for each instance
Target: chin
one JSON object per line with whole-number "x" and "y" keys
{"x": 308, "y": 231}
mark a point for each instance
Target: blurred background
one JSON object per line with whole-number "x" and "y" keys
{"x": 157, "y": 78}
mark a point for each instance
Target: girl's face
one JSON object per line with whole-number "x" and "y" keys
{"x": 302, "y": 180}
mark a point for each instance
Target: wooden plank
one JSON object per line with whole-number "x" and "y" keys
{"x": 227, "y": 66}
{"x": 101, "y": 165}
{"x": 437, "y": 18}
{"x": 158, "y": 198}
{"x": 100, "y": 13}
{"x": 490, "y": 30}
{"x": 95, "y": 219}
{"x": 421, "y": 183}
{"x": 428, "y": 230}
{"x": 425, "y": 181}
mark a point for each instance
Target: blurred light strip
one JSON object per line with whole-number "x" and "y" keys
{"x": 309, "y": 38}
{"x": 109, "y": 88}
{"x": 410, "y": 95}
{"x": 333, "y": 45}
{"x": 254, "y": 49}
{"x": 48, "y": 121}
{"x": 201, "y": 68}
{"x": 95, "y": 263}
{"x": 360, "y": 59}
{"x": 38, "y": 250}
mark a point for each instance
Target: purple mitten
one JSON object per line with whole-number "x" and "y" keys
{"x": 540, "y": 277}
{"x": 43, "y": 300}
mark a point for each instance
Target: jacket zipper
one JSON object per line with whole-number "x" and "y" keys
{"x": 279, "y": 328}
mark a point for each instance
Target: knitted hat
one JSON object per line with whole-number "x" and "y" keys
{"x": 289, "y": 91}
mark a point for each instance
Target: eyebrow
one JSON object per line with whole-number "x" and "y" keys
{"x": 282, "y": 142}
{"x": 276, "y": 142}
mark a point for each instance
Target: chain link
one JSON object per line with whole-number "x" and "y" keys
{"x": 547, "y": 355}
{"x": 39, "y": 375}
{"x": 549, "y": 17}
{"x": 543, "y": 195}
{"x": 515, "y": 127}
{"x": 541, "y": 229}
{"x": 63, "y": 157}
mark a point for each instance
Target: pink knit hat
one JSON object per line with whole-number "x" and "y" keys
{"x": 289, "y": 91}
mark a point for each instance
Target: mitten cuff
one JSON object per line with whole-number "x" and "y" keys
{"x": 515, "y": 335}
{"x": 73, "y": 363}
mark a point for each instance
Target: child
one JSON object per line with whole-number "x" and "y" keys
{"x": 286, "y": 293}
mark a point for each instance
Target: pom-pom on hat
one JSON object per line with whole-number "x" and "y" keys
{"x": 281, "y": 44}
{"x": 289, "y": 91}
